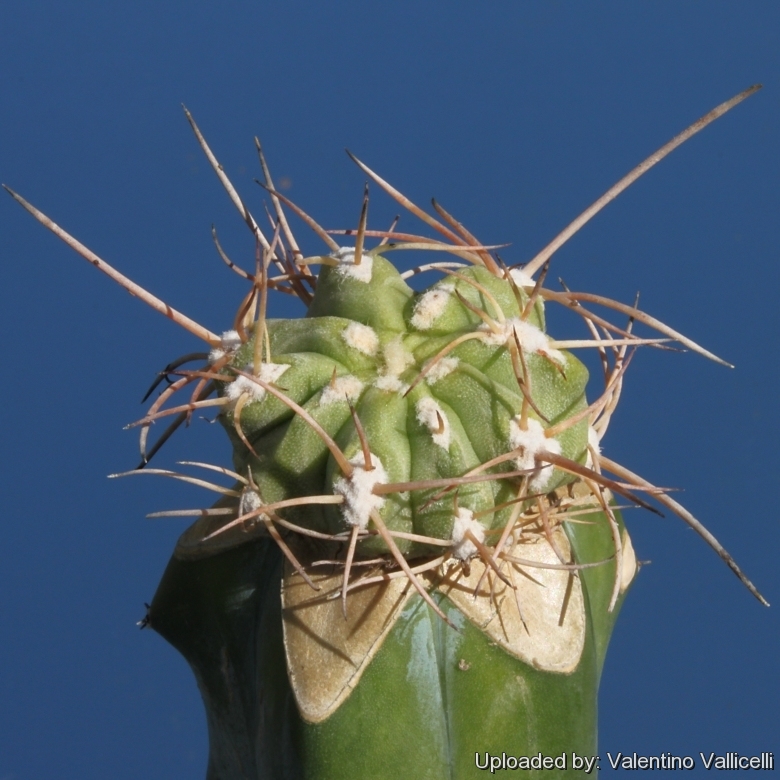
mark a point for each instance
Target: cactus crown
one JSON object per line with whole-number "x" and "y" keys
{"x": 400, "y": 434}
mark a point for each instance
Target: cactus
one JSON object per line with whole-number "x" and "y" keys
{"x": 419, "y": 557}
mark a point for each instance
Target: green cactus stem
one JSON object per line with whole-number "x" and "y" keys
{"x": 418, "y": 555}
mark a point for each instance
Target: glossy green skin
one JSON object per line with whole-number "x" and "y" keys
{"x": 479, "y": 398}
{"x": 415, "y": 713}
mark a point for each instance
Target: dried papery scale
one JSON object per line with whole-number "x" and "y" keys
{"x": 417, "y": 554}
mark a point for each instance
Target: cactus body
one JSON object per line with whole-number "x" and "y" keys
{"x": 430, "y": 458}
{"x": 428, "y": 388}
{"x": 366, "y": 341}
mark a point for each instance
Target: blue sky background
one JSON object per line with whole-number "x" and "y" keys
{"x": 515, "y": 116}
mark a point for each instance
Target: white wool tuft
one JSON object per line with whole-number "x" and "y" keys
{"x": 432, "y": 416}
{"x": 248, "y": 502}
{"x": 443, "y": 368}
{"x": 430, "y": 306}
{"x": 229, "y": 341}
{"x": 269, "y": 372}
{"x": 531, "y": 338}
{"x": 397, "y": 358}
{"x": 391, "y": 384}
{"x": 521, "y": 278}
{"x": 462, "y": 547}
{"x": 359, "y": 500}
{"x": 532, "y": 442}
{"x": 360, "y": 272}
{"x": 362, "y": 338}
{"x": 594, "y": 440}
{"x": 343, "y": 388}
{"x": 594, "y": 443}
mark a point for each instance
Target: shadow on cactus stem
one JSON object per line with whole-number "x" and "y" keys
{"x": 419, "y": 540}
